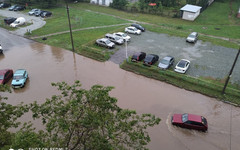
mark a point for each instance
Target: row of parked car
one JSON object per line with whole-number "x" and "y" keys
{"x": 150, "y": 59}
{"x": 38, "y": 12}
{"x": 13, "y": 7}
{"x": 119, "y": 38}
{"x": 19, "y": 78}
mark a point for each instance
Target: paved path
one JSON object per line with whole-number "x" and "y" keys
{"x": 47, "y": 35}
{"x": 37, "y": 22}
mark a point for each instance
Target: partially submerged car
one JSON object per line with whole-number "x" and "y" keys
{"x": 19, "y": 78}
{"x": 138, "y": 56}
{"x": 190, "y": 121}
{"x": 182, "y": 66}
{"x": 5, "y": 75}
{"x": 105, "y": 43}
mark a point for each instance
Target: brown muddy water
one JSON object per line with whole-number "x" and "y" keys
{"x": 47, "y": 64}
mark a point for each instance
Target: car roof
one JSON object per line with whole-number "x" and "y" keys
{"x": 196, "y": 118}
{"x": 2, "y": 72}
{"x": 104, "y": 39}
{"x": 168, "y": 57}
{"x": 120, "y": 33}
{"x": 20, "y": 71}
{"x": 131, "y": 27}
{"x": 184, "y": 60}
{"x": 194, "y": 33}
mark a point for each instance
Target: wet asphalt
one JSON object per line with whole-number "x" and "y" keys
{"x": 207, "y": 60}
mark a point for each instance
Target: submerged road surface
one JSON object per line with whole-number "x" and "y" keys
{"x": 47, "y": 64}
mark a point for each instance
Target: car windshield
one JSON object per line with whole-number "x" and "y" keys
{"x": 1, "y": 77}
{"x": 192, "y": 36}
{"x": 117, "y": 38}
{"x": 184, "y": 117}
{"x": 124, "y": 35}
{"x": 181, "y": 64}
{"x": 149, "y": 58}
{"x": 18, "y": 77}
{"x": 135, "y": 29}
{"x": 204, "y": 121}
{"x": 164, "y": 61}
{"x": 107, "y": 42}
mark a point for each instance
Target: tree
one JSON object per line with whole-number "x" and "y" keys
{"x": 119, "y": 4}
{"x": 91, "y": 119}
{"x": 8, "y": 117}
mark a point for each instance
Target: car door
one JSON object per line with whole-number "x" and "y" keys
{"x": 131, "y": 30}
{"x": 187, "y": 65}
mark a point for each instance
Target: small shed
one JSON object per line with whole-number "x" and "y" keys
{"x": 190, "y": 12}
{"x": 238, "y": 14}
{"x": 101, "y": 2}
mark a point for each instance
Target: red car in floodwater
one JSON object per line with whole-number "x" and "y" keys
{"x": 5, "y": 75}
{"x": 190, "y": 121}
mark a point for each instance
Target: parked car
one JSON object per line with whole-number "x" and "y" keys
{"x": 38, "y": 12}
{"x": 122, "y": 35}
{"x": 114, "y": 39}
{"x": 5, "y": 5}
{"x": 32, "y": 12}
{"x": 5, "y": 75}
{"x": 45, "y": 14}
{"x": 190, "y": 121}
{"x": 19, "y": 21}
{"x": 138, "y": 26}
{"x": 182, "y": 66}
{"x": 19, "y": 8}
{"x": 105, "y": 42}
{"x": 1, "y": 50}
{"x": 9, "y": 20}
{"x": 150, "y": 59}
{"x": 132, "y": 30}
{"x": 12, "y": 7}
{"x": 138, "y": 56}
{"x": 166, "y": 62}
{"x": 192, "y": 38}
{"x": 19, "y": 78}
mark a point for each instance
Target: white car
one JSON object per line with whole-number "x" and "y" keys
{"x": 182, "y": 66}
{"x": 105, "y": 43}
{"x": 132, "y": 30}
{"x": 122, "y": 35}
{"x": 1, "y": 49}
{"x": 19, "y": 21}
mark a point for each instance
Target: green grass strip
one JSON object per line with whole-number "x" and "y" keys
{"x": 184, "y": 81}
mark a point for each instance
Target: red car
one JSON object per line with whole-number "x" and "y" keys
{"x": 190, "y": 121}
{"x": 5, "y": 75}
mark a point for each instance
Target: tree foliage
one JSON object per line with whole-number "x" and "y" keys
{"x": 8, "y": 117}
{"x": 91, "y": 119}
{"x": 119, "y": 4}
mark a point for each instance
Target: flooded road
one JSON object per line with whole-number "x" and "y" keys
{"x": 47, "y": 64}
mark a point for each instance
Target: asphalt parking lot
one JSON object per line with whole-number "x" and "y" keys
{"x": 207, "y": 60}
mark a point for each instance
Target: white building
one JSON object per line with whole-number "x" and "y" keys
{"x": 190, "y": 12}
{"x": 101, "y": 2}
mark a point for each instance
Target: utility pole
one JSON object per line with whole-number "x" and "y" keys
{"x": 126, "y": 51}
{"x": 70, "y": 26}
{"x": 230, "y": 73}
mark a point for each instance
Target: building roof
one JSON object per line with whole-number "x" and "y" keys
{"x": 191, "y": 8}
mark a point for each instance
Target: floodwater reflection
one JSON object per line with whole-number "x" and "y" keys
{"x": 132, "y": 91}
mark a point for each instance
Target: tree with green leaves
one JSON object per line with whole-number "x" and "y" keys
{"x": 8, "y": 117}
{"x": 91, "y": 119}
{"x": 119, "y": 4}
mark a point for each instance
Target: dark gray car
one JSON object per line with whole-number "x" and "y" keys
{"x": 166, "y": 62}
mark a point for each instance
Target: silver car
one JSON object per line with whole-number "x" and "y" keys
{"x": 166, "y": 62}
{"x": 105, "y": 43}
{"x": 192, "y": 38}
{"x": 32, "y": 12}
{"x": 114, "y": 39}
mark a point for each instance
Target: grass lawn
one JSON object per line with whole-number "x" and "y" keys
{"x": 80, "y": 18}
{"x": 84, "y": 41}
